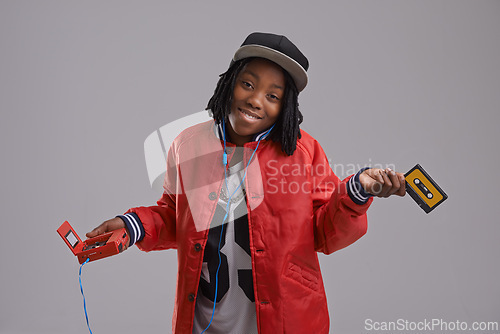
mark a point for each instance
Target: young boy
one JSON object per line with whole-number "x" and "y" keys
{"x": 249, "y": 199}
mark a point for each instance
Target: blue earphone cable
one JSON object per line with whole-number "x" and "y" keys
{"x": 224, "y": 161}
{"x": 81, "y": 289}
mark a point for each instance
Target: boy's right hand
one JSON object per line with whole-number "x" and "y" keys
{"x": 108, "y": 226}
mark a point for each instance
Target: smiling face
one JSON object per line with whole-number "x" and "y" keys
{"x": 257, "y": 100}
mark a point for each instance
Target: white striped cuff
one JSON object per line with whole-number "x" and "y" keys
{"x": 355, "y": 189}
{"x": 134, "y": 227}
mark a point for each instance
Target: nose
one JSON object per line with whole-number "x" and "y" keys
{"x": 255, "y": 101}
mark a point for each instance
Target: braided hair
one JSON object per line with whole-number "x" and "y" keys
{"x": 286, "y": 131}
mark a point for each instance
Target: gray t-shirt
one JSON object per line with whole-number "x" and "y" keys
{"x": 235, "y": 307}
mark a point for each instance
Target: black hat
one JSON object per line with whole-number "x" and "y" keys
{"x": 278, "y": 49}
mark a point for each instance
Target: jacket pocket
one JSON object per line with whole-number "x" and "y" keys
{"x": 303, "y": 275}
{"x": 304, "y": 302}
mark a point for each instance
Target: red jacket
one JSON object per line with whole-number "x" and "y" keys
{"x": 296, "y": 207}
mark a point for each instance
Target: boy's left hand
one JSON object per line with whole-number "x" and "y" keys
{"x": 382, "y": 182}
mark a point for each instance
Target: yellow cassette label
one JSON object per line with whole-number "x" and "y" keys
{"x": 424, "y": 188}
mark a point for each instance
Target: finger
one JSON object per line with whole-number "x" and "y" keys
{"x": 101, "y": 229}
{"x": 95, "y": 232}
{"x": 402, "y": 185}
{"x": 125, "y": 246}
{"x": 377, "y": 175}
{"x": 376, "y": 186}
{"x": 387, "y": 185}
{"x": 394, "y": 180}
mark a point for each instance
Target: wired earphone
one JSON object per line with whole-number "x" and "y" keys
{"x": 224, "y": 162}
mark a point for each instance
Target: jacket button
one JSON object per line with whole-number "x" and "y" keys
{"x": 191, "y": 297}
{"x": 212, "y": 196}
{"x": 197, "y": 247}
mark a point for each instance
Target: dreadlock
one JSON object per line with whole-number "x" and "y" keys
{"x": 286, "y": 131}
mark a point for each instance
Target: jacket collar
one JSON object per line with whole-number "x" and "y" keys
{"x": 219, "y": 133}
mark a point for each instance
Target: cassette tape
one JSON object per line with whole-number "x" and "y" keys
{"x": 96, "y": 248}
{"x": 423, "y": 189}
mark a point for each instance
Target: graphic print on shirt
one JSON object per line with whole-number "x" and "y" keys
{"x": 242, "y": 239}
{"x": 211, "y": 260}
{"x": 237, "y": 246}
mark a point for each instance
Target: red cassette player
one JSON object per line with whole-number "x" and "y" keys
{"x": 96, "y": 248}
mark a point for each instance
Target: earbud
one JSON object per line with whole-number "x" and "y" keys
{"x": 224, "y": 155}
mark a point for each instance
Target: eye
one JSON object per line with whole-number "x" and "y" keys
{"x": 274, "y": 97}
{"x": 246, "y": 84}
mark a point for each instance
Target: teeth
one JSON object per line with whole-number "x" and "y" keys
{"x": 250, "y": 116}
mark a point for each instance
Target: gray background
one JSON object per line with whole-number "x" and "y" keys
{"x": 83, "y": 83}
